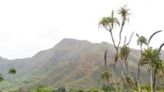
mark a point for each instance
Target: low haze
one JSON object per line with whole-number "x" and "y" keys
{"x": 29, "y": 26}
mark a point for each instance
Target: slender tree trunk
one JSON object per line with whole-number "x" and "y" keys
{"x": 138, "y": 79}
{"x": 139, "y": 63}
{"x": 115, "y": 84}
{"x": 108, "y": 83}
{"x": 127, "y": 68}
{"x": 154, "y": 81}
{"x": 126, "y": 84}
{"x": 138, "y": 76}
{"x": 139, "y": 86}
{"x": 151, "y": 79}
{"x": 126, "y": 74}
{"x": 105, "y": 62}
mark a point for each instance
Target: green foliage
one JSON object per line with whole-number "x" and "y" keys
{"x": 93, "y": 90}
{"x": 149, "y": 56}
{"x": 61, "y": 89}
{"x": 1, "y": 78}
{"x": 152, "y": 57}
{"x": 124, "y": 52}
{"x": 141, "y": 40}
{"x": 106, "y": 75}
{"x": 12, "y": 71}
{"x": 107, "y": 89}
{"x": 124, "y": 12}
{"x": 43, "y": 89}
{"x": 108, "y": 22}
{"x": 145, "y": 88}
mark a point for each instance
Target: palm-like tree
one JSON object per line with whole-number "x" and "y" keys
{"x": 141, "y": 41}
{"x": 108, "y": 23}
{"x": 151, "y": 57}
{"x": 124, "y": 12}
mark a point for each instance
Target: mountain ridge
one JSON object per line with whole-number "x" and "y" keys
{"x": 70, "y": 63}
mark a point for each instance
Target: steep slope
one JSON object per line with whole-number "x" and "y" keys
{"x": 86, "y": 69}
{"x": 71, "y": 63}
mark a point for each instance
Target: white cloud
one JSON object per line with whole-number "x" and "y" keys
{"x": 28, "y": 26}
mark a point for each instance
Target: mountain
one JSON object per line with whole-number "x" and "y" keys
{"x": 70, "y": 63}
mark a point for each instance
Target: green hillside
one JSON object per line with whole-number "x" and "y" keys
{"x": 71, "y": 63}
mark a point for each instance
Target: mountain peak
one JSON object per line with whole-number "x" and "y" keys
{"x": 72, "y": 40}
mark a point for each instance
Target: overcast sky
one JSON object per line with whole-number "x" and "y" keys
{"x": 29, "y": 26}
